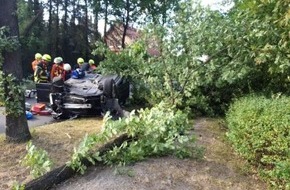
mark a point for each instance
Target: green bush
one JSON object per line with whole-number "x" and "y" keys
{"x": 259, "y": 130}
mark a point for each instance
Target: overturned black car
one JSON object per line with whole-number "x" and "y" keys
{"x": 93, "y": 94}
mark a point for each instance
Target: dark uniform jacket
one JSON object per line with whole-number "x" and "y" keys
{"x": 40, "y": 73}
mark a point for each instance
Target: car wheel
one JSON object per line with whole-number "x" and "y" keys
{"x": 109, "y": 88}
{"x": 112, "y": 105}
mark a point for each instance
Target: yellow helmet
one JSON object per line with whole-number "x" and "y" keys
{"x": 80, "y": 60}
{"x": 38, "y": 56}
{"x": 91, "y": 62}
{"x": 46, "y": 57}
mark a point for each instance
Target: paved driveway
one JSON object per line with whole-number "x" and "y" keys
{"x": 35, "y": 122}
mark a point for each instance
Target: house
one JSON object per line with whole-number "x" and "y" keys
{"x": 113, "y": 38}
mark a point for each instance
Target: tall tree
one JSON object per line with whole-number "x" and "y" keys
{"x": 16, "y": 122}
{"x": 127, "y": 11}
{"x": 106, "y": 16}
{"x": 32, "y": 30}
{"x": 56, "y": 30}
{"x": 96, "y": 5}
{"x": 126, "y": 20}
{"x": 159, "y": 11}
{"x": 86, "y": 27}
{"x": 50, "y": 12}
{"x": 65, "y": 52}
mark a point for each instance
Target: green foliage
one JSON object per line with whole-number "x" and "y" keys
{"x": 259, "y": 130}
{"x": 267, "y": 36}
{"x": 11, "y": 92}
{"x": 158, "y": 131}
{"x": 248, "y": 51}
{"x": 128, "y": 63}
{"x": 37, "y": 160}
{"x": 158, "y": 11}
{"x": 281, "y": 174}
{"x": 165, "y": 78}
{"x": 84, "y": 151}
{"x": 235, "y": 43}
{"x": 17, "y": 186}
{"x": 6, "y": 43}
{"x": 176, "y": 76}
{"x": 12, "y": 100}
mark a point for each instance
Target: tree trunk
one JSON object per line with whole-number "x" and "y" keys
{"x": 126, "y": 23}
{"x": 97, "y": 36}
{"x": 65, "y": 38}
{"x": 31, "y": 24}
{"x": 64, "y": 172}
{"x": 16, "y": 125}
{"x": 86, "y": 30}
{"x": 37, "y": 8}
{"x": 106, "y": 19}
{"x": 50, "y": 48}
{"x": 56, "y": 32}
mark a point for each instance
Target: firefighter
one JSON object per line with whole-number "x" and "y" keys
{"x": 93, "y": 66}
{"x": 57, "y": 68}
{"x": 41, "y": 75}
{"x": 37, "y": 59}
{"x": 80, "y": 62}
{"x": 89, "y": 67}
{"x": 67, "y": 71}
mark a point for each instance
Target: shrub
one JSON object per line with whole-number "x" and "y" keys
{"x": 259, "y": 130}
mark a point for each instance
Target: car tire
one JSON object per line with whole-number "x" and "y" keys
{"x": 112, "y": 105}
{"x": 109, "y": 88}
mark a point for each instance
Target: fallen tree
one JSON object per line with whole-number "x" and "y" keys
{"x": 64, "y": 172}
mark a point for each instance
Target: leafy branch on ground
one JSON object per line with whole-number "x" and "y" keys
{"x": 158, "y": 131}
{"x": 18, "y": 186}
{"x": 37, "y": 160}
{"x": 84, "y": 150}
